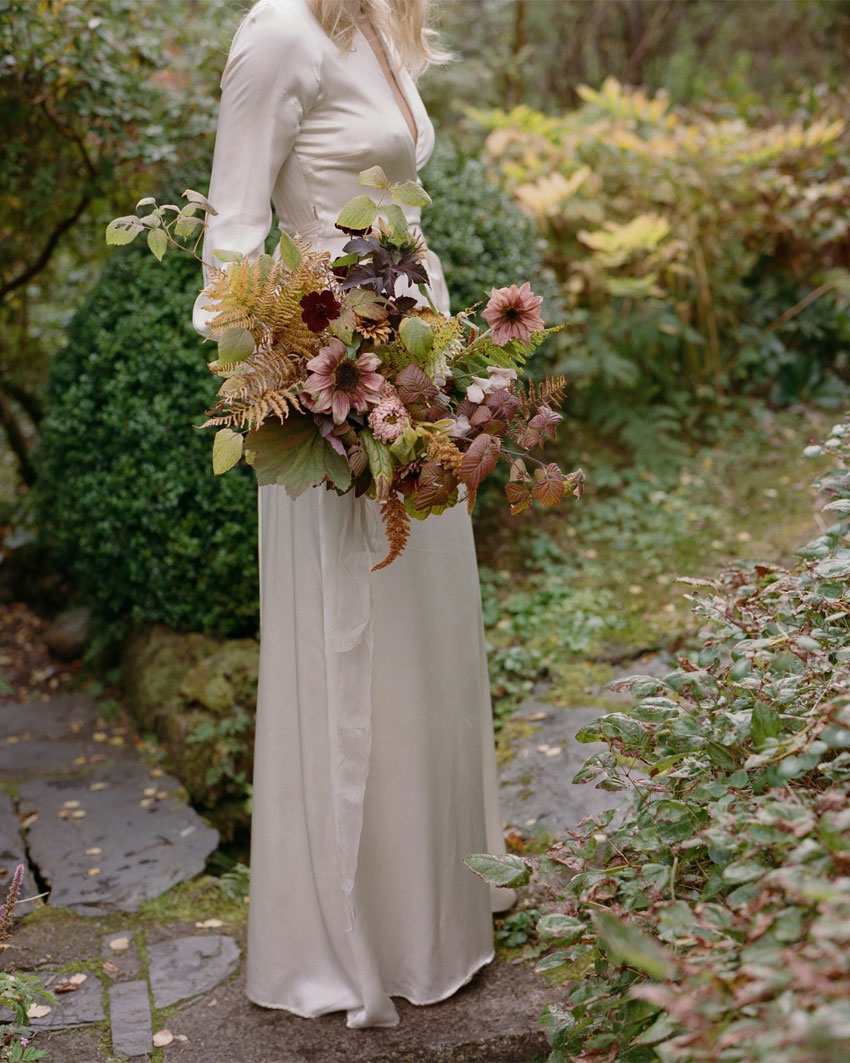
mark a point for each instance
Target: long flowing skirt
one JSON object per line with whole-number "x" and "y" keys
{"x": 374, "y": 772}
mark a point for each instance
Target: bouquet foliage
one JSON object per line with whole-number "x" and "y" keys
{"x": 332, "y": 377}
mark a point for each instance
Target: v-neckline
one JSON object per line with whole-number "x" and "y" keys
{"x": 414, "y": 139}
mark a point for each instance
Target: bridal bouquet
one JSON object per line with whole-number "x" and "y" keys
{"x": 330, "y": 377}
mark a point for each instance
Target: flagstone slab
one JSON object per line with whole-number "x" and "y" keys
{"x": 537, "y": 792}
{"x": 82, "y": 1007}
{"x": 12, "y": 853}
{"x": 113, "y": 838}
{"x": 50, "y": 737}
{"x": 188, "y": 967}
{"x": 60, "y": 717}
{"x": 130, "y": 1018}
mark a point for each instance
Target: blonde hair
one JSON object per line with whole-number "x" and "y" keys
{"x": 404, "y": 23}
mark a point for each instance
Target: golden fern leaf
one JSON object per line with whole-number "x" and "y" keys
{"x": 263, "y": 384}
{"x": 397, "y": 522}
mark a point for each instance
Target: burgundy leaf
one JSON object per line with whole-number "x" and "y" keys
{"x": 413, "y": 385}
{"x": 480, "y": 460}
{"x": 546, "y": 422}
{"x": 435, "y": 486}
{"x": 549, "y": 486}
{"x": 519, "y": 497}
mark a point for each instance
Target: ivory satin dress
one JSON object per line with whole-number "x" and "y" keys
{"x": 374, "y": 770}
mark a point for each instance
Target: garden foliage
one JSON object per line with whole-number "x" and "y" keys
{"x": 125, "y": 495}
{"x": 711, "y": 921}
{"x": 670, "y": 228}
{"x": 466, "y": 226}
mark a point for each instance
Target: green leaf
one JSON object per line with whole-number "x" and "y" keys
{"x": 290, "y": 255}
{"x": 235, "y": 345}
{"x": 660, "y": 1030}
{"x": 223, "y": 255}
{"x": 158, "y": 242}
{"x": 196, "y": 197}
{"x": 398, "y": 222}
{"x": 410, "y": 193}
{"x": 380, "y": 461}
{"x": 417, "y": 336}
{"x": 358, "y": 213}
{"x": 187, "y": 226}
{"x": 374, "y": 177}
{"x": 227, "y": 450}
{"x": 560, "y": 929}
{"x": 295, "y": 455}
{"x": 122, "y": 231}
{"x": 765, "y": 723}
{"x": 504, "y": 870}
{"x": 629, "y": 945}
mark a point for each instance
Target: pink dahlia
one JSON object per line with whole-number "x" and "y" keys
{"x": 513, "y": 313}
{"x": 338, "y": 384}
{"x": 390, "y": 418}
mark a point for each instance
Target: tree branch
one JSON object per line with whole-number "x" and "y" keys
{"x": 17, "y": 442}
{"x": 27, "y": 274}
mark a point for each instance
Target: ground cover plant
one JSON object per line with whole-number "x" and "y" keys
{"x": 711, "y": 921}
{"x": 566, "y": 602}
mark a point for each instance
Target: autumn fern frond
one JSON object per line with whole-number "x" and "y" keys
{"x": 397, "y": 522}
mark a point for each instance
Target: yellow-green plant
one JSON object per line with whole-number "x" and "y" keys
{"x": 658, "y": 219}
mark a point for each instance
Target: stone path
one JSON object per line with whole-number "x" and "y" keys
{"x": 102, "y": 833}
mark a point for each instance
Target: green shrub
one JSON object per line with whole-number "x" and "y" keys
{"x": 126, "y": 496}
{"x": 483, "y": 239}
{"x": 711, "y": 920}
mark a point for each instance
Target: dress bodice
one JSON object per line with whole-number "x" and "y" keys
{"x": 299, "y": 120}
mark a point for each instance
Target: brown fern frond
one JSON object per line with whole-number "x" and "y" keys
{"x": 551, "y": 392}
{"x": 397, "y": 522}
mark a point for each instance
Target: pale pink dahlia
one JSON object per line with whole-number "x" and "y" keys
{"x": 339, "y": 384}
{"x": 390, "y": 418}
{"x": 513, "y": 313}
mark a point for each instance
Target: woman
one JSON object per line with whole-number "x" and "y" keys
{"x": 374, "y": 772}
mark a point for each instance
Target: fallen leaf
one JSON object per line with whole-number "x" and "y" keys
{"x": 210, "y": 923}
{"x": 149, "y": 791}
{"x": 78, "y": 978}
{"x": 38, "y": 1011}
{"x": 65, "y": 987}
{"x": 78, "y": 813}
{"x": 70, "y": 804}
{"x": 79, "y": 760}
{"x": 146, "y": 802}
{"x": 94, "y": 851}
{"x": 533, "y": 717}
{"x": 99, "y": 786}
{"x": 180, "y": 1037}
{"x": 110, "y": 968}
{"x": 99, "y": 736}
{"x": 119, "y": 944}
{"x": 156, "y": 773}
{"x": 116, "y": 740}
{"x": 162, "y": 1038}
{"x": 94, "y": 870}
{"x": 161, "y": 794}
{"x": 29, "y": 819}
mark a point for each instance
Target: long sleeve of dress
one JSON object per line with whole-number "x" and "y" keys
{"x": 270, "y": 81}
